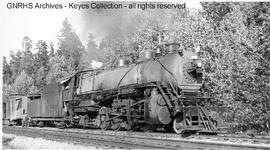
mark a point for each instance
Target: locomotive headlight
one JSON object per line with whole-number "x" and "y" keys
{"x": 196, "y": 61}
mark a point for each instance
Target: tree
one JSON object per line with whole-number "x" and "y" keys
{"x": 41, "y": 63}
{"x": 7, "y": 72}
{"x": 111, "y": 48}
{"x": 15, "y": 64}
{"x": 27, "y": 62}
{"x": 27, "y": 59}
{"x": 26, "y": 43}
{"x": 70, "y": 45}
{"x": 91, "y": 52}
{"x": 7, "y": 90}
{"x": 91, "y": 44}
{"x": 42, "y": 54}
{"x": 128, "y": 39}
{"x": 51, "y": 54}
{"x": 216, "y": 11}
{"x": 237, "y": 71}
{"x": 59, "y": 68}
{"x": 24, "y": 84}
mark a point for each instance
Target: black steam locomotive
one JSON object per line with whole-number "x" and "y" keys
{"x": 156, "y": 92}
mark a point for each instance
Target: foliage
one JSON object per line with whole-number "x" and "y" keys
{"x": 59, "y": 67}
{"x": 91, "y": 53}
{"x": 7, "y": 72}
{"x": 26, "y": 43}
{"x": 41, "y": 63}
{"x": 7, "y": 90}
{"x": 15, "y": 64}
{"x": 127, "y": 40}
{"x": 70, "y": 45}
{"x": 27, "y": 72}
{"x": 24, "y": 84}
{"x": 237, "y": 69}
{"x": 27, "y": 62}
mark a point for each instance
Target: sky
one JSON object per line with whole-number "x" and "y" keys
{"x": 42, "y": 25}
{"x": 37, "y": 24}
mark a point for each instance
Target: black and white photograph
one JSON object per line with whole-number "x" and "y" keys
{"x": 180, "y": 75}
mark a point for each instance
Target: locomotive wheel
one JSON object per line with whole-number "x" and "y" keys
{"x": 103, "y": 118}
{"x": 60, "y": 125}
{"x": 84, "y": 121}
{"x": 68, "y": 124}
{"x": 116, "y": 124}
{"x": 178, "y": 125}
{"x": 104, "y": 123}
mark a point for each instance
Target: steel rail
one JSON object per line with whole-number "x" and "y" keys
{"x": 101, "y": 140}
{"x": 144, "y": 140}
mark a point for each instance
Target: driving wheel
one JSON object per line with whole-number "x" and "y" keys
{"x": 178, "y": 125}
{"x": 116, "y": 124}
{"x": 104, "y": 122}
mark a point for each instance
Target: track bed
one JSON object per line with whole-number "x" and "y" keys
{"x": 139, "y": 140}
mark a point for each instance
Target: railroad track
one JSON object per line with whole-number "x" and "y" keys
{"x": 139, "y": 140}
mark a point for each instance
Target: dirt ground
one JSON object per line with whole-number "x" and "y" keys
{"x": 10, "y": 141}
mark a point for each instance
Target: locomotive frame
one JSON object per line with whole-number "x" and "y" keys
{"x": 196, "y": 117}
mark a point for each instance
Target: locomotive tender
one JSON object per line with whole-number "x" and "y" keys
{"x": 156, "y": 92}
{"x": 43, "y": 109}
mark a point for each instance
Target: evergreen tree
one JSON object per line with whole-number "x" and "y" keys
{"x": 7, "y": 72}
{"x": 70, "y": 45}
{"x": 27, "y": 62}
{"x": 58, "y": 69}
{"x": 24, "y": 84}
{"x": 42, "y": 54}
{"x": 51, "y": 53}
{"x": 26, "y": 43}
{"x": 91, "y": 53}
{"x": 15, "y": 64}
{"x": 41, "y": 63}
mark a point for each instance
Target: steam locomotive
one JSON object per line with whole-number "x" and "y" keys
{"x": 156, "y": 92}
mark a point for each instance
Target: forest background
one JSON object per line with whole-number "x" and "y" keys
{"x": 235, "y": 49}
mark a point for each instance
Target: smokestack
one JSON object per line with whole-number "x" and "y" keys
{"x": 146, "y": 55}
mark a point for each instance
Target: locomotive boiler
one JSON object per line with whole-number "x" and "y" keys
{"x": 157, "y": 92}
